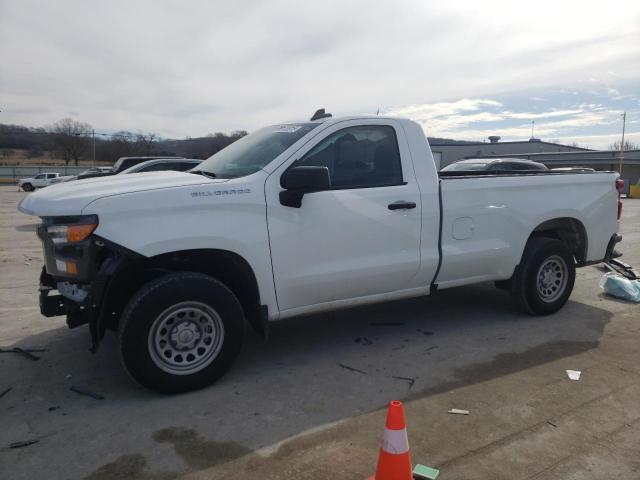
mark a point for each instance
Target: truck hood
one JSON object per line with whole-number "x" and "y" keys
{"x": 69, "y": 198}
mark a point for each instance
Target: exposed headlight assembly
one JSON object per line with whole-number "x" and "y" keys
{"x": 64, "y": 236}
{"x": 71, "y": 233}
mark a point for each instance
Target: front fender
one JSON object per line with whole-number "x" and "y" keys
{"x": 155, "y": 222}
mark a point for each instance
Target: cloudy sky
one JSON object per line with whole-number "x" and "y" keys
{"x": 464, "y": 70}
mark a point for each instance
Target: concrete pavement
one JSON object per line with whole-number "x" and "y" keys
{"x": 310, "y": 402}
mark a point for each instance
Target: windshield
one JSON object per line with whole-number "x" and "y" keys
{"x": 255, "y": 151}
{"x": 464, "y": 166}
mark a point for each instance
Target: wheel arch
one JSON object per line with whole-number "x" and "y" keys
{"x": 228, "y": 267}
{"x": 569, "y": 230}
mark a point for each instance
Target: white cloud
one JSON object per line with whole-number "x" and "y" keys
{"x": 600, "y": 142}
{"x": 476, "y": 119}
{"x": 536, "y": 115}
{"x": 425, "y": 111}
{"x": 181, "y": 68}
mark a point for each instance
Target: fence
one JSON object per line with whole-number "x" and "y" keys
{"x": 11, "y": 174}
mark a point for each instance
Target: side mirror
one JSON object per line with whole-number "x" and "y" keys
{"x": 300, "y": 180}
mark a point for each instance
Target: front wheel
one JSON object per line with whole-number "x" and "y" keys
{"x": 545, "y": 277}
{"x": 27, "y": 187}
{"x": 181, "y": 332}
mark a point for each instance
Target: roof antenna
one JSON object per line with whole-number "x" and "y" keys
{"x": 320, "y": 114}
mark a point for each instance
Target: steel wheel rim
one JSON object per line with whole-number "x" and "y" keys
{"x": 551, "y": 279}
{"x": 185, "y": 338}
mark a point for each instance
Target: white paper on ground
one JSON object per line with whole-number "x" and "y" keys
{"x": 574, "y": 374}
{"x": 458, "y": 411}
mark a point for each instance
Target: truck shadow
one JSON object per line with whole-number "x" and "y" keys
{"x": 312, "y": 371}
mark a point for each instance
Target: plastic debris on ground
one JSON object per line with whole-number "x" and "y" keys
{"x": 620, "y": 287}
{"x": 423, "y": 472}
{"x": 86, "y": 392}
{"x": 574, "y": 374}
{"x": 457, "y": 411}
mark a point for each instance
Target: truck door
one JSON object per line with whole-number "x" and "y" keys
{"x": 359, "y": 238}
{"x": 40, "y": 180}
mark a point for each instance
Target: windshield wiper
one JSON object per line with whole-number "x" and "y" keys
{"x": 203, "y": 173}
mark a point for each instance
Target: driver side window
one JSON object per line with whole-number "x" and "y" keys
{"x": 358, "y": 157}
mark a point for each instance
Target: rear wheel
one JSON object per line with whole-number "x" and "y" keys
{"x": 27, "y": 187}
{"x": 545, "y": 278}
{"x": 181, "y": 332}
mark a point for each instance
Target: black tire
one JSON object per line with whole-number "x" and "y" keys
{"x": 544, "y": 280}
{"x": 27, "y": 187}
{"x": 154, "y": 307}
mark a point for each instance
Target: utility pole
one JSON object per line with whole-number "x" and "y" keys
{"x": 624, "y": 122}
{"x": 533, "y": 124}
{"x": 93, "y": 134}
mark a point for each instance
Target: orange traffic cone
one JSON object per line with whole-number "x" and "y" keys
{"x": 394, "y": 462}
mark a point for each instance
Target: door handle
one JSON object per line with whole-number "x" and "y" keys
{"x": 401, "y": 204}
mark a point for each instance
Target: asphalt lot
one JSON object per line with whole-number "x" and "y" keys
{"x": 309, "y": 403}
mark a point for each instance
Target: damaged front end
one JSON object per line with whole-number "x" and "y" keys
{"x": 80, "y": 267}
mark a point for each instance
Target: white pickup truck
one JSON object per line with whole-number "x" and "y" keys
{"x": 39, "y": 181}
{"x": 299, "y": 218}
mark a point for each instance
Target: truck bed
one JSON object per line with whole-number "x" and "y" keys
{"x": 487, "y": 218}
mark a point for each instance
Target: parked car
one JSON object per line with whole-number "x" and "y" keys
{"x": 177, "y": 164}
{"x": 122, "y": 164}
{"x": 62, "y": 178}
{"x": 495, "y": 165}
{"x": 39, "y": 181}
{"x": 97, "y": 171}
{"x": 302, "y": 218}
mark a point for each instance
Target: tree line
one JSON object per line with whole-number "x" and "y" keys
{"x": 628, "y": 145}
{"x": 73, "y": 141}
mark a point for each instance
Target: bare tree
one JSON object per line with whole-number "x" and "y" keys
{"x": 120, "y": 145}
{"x": 615, "y": 146}
{"x": 145, "y": 142}
{"x": 6, "y": 153}
{"x": 69, "y": 136}
{"x": 72, "y": 140}
{"x": 122, "y": 136}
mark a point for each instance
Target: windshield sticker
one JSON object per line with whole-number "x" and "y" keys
{"x": 287, "y": 128}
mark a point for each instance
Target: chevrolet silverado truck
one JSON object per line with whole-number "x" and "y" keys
{"x": 300, "y": 218}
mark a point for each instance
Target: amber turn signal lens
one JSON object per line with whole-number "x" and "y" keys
{"x": 77, "y": 233}
{"x": 72, "y": 268}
